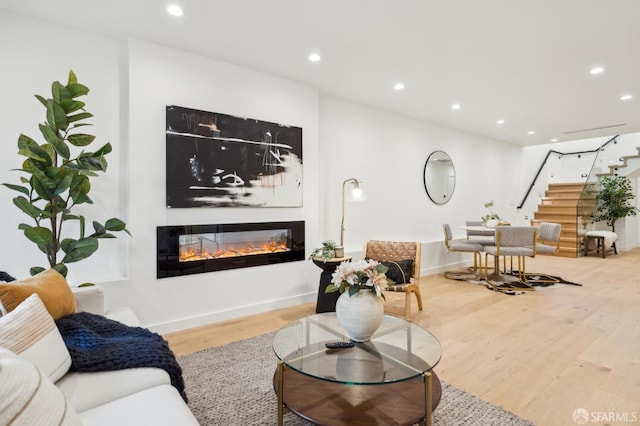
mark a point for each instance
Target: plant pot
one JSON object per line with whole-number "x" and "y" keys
{"x": 492, "y": 223}
{"x": 360, "y": 315}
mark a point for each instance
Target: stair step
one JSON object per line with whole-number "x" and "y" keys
{"x": 567, "y": 186}
{"x": 556, "y": 209}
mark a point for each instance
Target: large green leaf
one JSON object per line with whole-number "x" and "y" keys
{"x": 61, "y": 268}
{"x": 77, "y": 89}
{"x": 78, "y": 117}
{"x": 80, "y": 249}
{"x": 115, "y": 224}
{"x": 104, "y": 150}
{"x": 56, "y": 116}
{"x": 79, "y": 189}
{"x": 80, "y": 139}
{"x": 98, "y": 228}
{"x": 66, "y": 244}
{"x": 36, "y": 270}
{"x": 42, "y": 100}
{"x": 61, "y": 180}
{"x": 23, "y": 204}
{"x": 91, "y": 162}
{"x": 58, "y": 144}
{"x": 72, "y": 78}
{"x": 24, "y": 226}
{"x": 29, "y": 148}
{"x": 39, "y": 235}
{"x": 41, "y": 183}
{"x": 18, "y": 188}
{"x": 71, "y": 105}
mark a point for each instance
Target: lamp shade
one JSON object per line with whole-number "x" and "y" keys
{"x": 356, "y": 192}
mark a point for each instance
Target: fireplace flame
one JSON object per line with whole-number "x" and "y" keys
{"x": 189, "y": 254}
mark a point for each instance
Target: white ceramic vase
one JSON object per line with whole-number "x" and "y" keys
{"x": 492, "y": 223}
{"x": 360, "y": 315}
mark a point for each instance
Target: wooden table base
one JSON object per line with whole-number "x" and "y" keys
{"x": 330, "y": 403}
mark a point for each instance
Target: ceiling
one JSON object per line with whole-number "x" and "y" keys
{"x": 526, "y": 62}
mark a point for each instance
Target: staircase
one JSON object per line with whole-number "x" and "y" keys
{"x": 559, "y": 205}
{"x": 626, "y": 161}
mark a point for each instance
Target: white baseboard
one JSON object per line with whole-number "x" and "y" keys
{"x": 243, "y": 311}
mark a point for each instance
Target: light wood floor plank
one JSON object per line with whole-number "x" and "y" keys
{"x": 540, "y": 355}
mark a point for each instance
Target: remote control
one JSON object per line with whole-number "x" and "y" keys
{"x": 339, "y": 345}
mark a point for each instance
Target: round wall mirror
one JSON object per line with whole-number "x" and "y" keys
{"x": 439, "y": 177}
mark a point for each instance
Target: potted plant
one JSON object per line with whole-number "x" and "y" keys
{"x": 57, "y": 179}
{"x": 325, "y": 252}
{"x": 491, "y": 219}
{"x": 612, "y": 202}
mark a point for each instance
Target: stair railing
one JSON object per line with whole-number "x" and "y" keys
{"x": 562, "y": 154}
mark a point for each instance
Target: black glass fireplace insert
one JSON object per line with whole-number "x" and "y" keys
{"x": 196, "y": 249}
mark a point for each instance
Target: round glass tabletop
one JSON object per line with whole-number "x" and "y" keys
{"x": 399, "y": 350}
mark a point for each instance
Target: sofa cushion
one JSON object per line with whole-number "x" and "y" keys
{"x": 160, "y": 405}
{"x": 87, "y": 390}
{"x": 29, "y": 398}
{"x": 50, "y": 285}
{"x": 30, "y": 332}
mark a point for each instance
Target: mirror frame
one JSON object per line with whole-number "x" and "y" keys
{"x": 448, "y": 195}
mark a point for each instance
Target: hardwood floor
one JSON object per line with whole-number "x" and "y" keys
{"x": 540, "y": 355}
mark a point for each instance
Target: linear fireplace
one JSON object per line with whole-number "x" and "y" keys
{"x": 195, "y": 249}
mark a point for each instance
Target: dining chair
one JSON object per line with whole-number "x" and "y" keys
{"x": 513, "y": 241}
{"x": 403, "y": 260}
{"x": 484, "y": 237}
{"x": 464, "y": 245}
{"x": 548, "y": 238}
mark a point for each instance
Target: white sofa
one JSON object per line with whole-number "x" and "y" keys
{"x": 140, "y": 396}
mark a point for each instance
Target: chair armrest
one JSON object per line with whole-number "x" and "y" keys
{"x": 89, "y": 299}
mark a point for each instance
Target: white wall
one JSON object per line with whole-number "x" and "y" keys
{"x": 160, "y": 76}
{"x": 131, "y": 83}
{"x": 34, "y": 55}
{"x": 388, "y": 152}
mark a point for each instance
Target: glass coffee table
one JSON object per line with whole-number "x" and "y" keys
{"x": 388, "y": 380}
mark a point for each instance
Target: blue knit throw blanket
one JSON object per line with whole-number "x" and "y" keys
{"x": 97, "y": 343}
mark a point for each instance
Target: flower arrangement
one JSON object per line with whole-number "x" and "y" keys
{"x": 366, "y": 275}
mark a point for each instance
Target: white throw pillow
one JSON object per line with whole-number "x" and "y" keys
{"x": 30, "y": 332}
{"x": 28, "y": 397}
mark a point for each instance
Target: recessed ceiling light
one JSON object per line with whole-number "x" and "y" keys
{"x": 531, "y": 132}
{"x": 625, "y": 97}
{"x": 455, "y": 106}
{"x": 175, "y": 10}
{"x": 596, "y": 70}
{"x": 315, "y": 57}
{"x": 501, "y": 121}
{"x": 554, "y": 140}
{"x": 398, "y": 86}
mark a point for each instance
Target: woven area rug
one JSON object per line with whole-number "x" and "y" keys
{"x": 509, "y": 284}
{"x": 231, "y": 385}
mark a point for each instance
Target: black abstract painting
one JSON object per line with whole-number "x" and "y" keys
{"x": 219, "y": 160}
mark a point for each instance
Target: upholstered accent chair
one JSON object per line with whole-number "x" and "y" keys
{"x": 403, "y": 260}
{"x": 548, "y": 241}
{"x": 464, "y": 245}
{"x": 513, "y": 241}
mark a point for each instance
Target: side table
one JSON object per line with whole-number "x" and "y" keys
{"x": 327, "y": 301}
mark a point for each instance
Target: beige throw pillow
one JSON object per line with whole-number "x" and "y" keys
{"x": 50, "y": 285}
{"x": 29, "y": 398}
{"x": 30, "y": 332}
